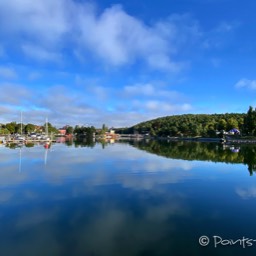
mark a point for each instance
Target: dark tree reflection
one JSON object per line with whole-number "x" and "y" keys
{"x": 214, "y": 152}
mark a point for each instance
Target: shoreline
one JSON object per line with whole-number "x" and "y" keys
{"x": 225, "y": 140}
{"x": 208, "y": 139}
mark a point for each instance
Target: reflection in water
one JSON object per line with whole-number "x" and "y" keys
{"x": 20, "y": 161}
{"x": 45, "y": 156}
{"x": 245, "y": 154}
{"x": 92, "y": 225}
{"x": 214, "y": 152}
{"x": 117, "y": 199}
{"x": 250, "y": 158}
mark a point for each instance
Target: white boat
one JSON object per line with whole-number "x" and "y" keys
{"x": 20, "y": 138}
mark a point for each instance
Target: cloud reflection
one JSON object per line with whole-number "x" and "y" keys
{"x": 98, "y": 227}
{"x": 246, "y": 193}
{"x": 118, "y": 164}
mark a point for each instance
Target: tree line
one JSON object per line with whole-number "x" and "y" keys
{"x": 18, "y": 128}
{"x": 196, "y": 124}
{"x": 84, "y": 130}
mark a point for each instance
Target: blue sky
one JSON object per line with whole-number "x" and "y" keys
{"x": 120, "y": 63}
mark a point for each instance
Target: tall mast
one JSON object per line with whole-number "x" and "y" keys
{"x": 46, "y": 126}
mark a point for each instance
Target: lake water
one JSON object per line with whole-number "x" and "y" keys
{"x": 128, "y": 199}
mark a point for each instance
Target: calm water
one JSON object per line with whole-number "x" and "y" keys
{"x": 127, "y": 199}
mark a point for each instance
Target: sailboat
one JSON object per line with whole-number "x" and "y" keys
{"x": 47, "y": 144}
{"x": 20, "y": 138}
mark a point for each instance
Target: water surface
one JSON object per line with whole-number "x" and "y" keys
{"x": 132, "y": 198}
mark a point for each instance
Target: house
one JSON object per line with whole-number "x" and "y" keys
{"x": 234, "y": 131}
{"x": 38, "y": 129}
{"x": 111, "y": 134}
{"x": 62, "y": 131}
{"x": 111, "y": 131}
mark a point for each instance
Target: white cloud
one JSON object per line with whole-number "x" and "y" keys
{"x": 34, "y": 76}
{"x": 246, "y": 83}
{"x": 182, "y": 30}
{"x": 14, "y": 94}
{"x": 120, "y": 38}
{"x": 7, "y": 73}
{"x": 4, "y": 110}
{"x": 2, "y": 51}
{"x": 225, "y": 27}
{"x": 151, "y": 90}
{"x": 43, "y": 28}
{"x": 92, "y": 105}
{"x": 164, "y": 107}
{"x": 57, "y": 102}
{"x": 64, "y": 105}
{"x": 40, "y": 53}
{"x": 44, "y": 21}
{"x": 139, "y": 89}
{"x": 220, "y": 35}
{"x": 100, "y": 93}
{"x": 154, "y": 100}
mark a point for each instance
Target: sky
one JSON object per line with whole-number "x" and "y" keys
{"x": 80, "y": 62}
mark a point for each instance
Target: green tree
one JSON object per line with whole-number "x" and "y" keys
{"x": 152, "y": 132}
{"x": 4, "y": 130}
{"x": 84, "y": 131}
{"x": 19, "y": 128}
{"x": 196, "y": 129}
{"x": 174, "y": 130}
{"x": 29, "y": 128}
{"x": 104, "y": 128}
{"x": 51, "y": 129}
{"x": 250, "y": 121}
{"x": 232, "y": 123}
{"x": 70, "y": 130}
{"x": 222, "y": 125}
{"x": 11, "y": 127}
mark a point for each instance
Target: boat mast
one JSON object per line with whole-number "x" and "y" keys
{"x": 46, "y": 126}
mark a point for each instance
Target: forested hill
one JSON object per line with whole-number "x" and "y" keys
{"x": 189, "y": 125}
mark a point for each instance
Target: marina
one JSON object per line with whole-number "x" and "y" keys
{"x": 31, "y": 137}
{"x": 25, "y": 139}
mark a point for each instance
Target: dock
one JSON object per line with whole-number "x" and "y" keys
{"x": 25, "y": 140}
{"x": 29, "y": 141}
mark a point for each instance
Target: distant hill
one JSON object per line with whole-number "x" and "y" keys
{"x": 188, "y": 125}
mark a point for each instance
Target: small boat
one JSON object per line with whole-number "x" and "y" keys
{"x": 47, "y": 145}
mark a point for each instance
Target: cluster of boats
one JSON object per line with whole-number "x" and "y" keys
{"x": 18, "y": 140}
